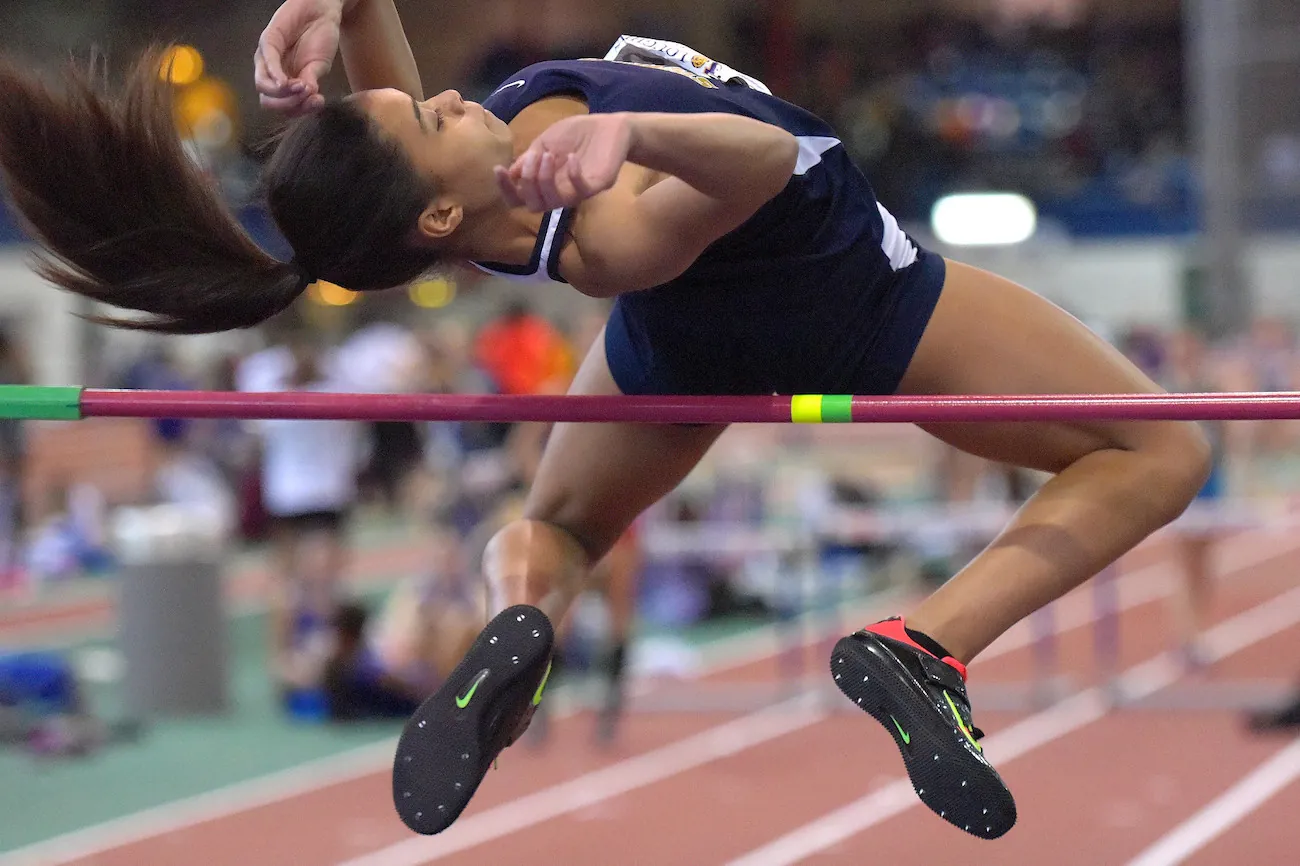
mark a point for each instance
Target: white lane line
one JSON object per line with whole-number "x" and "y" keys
{"x": 1137, "y": 588}
{"x": 1247, "y": 628}
{"x": 228, "y": 800}
{"x": 631, "y": 774}
{"x": 596, "y": 787}
{"x": 1230, "y": 807}
{"x": 327, "y": 771}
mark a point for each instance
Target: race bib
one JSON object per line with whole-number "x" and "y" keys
{"x": 660, "y": 52}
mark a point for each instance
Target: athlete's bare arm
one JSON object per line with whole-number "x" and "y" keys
{"x": 376, "y": 53}
{"x": 630, "y": 233}
{"x": 300, "y": 42}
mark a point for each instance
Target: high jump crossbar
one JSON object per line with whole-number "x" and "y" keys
{"x": 65, "y": 403}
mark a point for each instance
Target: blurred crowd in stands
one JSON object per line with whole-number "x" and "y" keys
{"x": 1088, "y": 121}
{"x": 1086, "y": 118}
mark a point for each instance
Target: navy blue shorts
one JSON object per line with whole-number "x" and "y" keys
{"x": 839, "y": 339}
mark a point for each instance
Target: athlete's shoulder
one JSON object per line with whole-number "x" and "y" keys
{"x": 536, "y": 82}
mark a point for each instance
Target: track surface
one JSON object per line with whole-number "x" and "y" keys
{"x": 805, "y": 782}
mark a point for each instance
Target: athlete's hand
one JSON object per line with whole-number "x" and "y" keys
{"x": 573, "y": 160}
{"x": 297, "y": 48}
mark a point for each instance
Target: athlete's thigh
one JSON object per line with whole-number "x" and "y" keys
{"x": 595, "y": 479}
{"x": 991, "y": 336}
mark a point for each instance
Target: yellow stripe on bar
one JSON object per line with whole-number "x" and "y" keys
{"x": 806, "y": 408}
{"x": 821, "y": 408}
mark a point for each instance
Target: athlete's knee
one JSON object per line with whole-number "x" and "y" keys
{"x": 1178, "y": 459}
{"x": 527, "y": 560}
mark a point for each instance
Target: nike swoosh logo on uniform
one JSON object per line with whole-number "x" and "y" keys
{"x": 462, "y": 701}
{"x": 520, "y": 83}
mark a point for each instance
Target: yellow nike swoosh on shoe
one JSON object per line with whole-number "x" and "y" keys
{"x": 462, "y": 701}
{"x": 907, "y": 738}
{"x": 541, "y": 687}
{"x": 965, "y": 730}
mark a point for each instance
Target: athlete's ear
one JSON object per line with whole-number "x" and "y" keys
{"x": 440, "y": 218}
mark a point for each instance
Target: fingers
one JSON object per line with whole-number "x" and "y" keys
{"x": 274, "y": 87}
{"x": 541, "y": 181}
{"x": 569, "y": 193}
{"x": 297, "y": 100}
{"x": 269, "y": 52}
{"x": 292, "y": 106}
{"x": 277, "y": 90}
{"x": 546, "y": 182}
{"x": 289, "y": 96}
{"x": 526, "y": 180}
{"x": 581, "y": 187}
{"x": 261, "y": 76}
{"x": 311, "y": 74}
{"x": 507, "y": 186}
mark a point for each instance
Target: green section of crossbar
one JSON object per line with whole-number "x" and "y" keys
{"x": 40, "y": 402}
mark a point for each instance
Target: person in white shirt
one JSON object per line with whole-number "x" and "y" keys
{"x": 308, "y": 478}
{"x": 382, "y": 357}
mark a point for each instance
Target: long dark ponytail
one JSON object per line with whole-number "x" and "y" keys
{"x": 124, "y": 216}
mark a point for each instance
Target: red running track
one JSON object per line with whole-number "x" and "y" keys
{"x": 1092, "y": 787}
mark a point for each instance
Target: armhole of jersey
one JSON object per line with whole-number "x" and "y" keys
{"x": 534, "y": 261}
{"x": 544, "y": 263}
{"x": 561, "y": 229}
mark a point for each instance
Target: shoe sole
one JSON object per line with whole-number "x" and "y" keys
{"x": 953, "y": 782}
{"x": 445, "y": 749}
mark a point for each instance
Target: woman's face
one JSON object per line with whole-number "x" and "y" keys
{"x": 454, "y": 142}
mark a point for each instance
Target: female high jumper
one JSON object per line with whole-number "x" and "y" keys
{"x": 747, "y": 255}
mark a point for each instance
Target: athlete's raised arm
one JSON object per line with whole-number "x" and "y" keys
{"x": 299, "y": 44}
{"x": 722, "y": 169}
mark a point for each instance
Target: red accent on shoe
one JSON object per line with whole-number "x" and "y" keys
{"x": 895, "y": 629}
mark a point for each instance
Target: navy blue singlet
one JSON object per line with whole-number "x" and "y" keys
{"x": 819, "y": 292}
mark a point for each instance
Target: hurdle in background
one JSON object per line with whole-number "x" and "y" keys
{"x": 73, "y": 403}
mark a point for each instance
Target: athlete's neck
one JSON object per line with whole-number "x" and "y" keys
{"x": 507, "y": 236}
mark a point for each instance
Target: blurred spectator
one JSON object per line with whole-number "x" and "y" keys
{"x": 451, "y": 351}
{"x": 449, "y": 443}
{"x": 384, "y": 357}
{"x": 157, "y": 368}
{"x": 356, "y": 684}
{"x": 1085, "y": 118}
{"x": 71, "y": 537}
{"x": 1272, "y": 354}
{"x": 41, "y": 690}
{"x": 308, "y": 484}
{"x": 523, "y": 353}
{"x": 381, "y": 667}
{"x": 1189, "y": 370}
{"x": 228, "y": 440}
{"x": 187, "y": 476}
